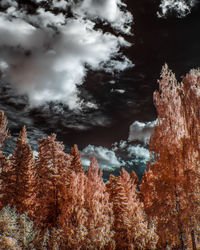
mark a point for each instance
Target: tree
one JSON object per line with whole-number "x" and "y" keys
{"x": 23, "y": 162}
{"x": 17, "y": 177}
{"x": 100, "y": 214}
{"x": 132, "y": 230}
{"x": 86, "y": 218}
{"x": 4, "y": 134}
{"x": 76, "y": 164}
{"x": 170, "y": 188}
{"x": 51, "y": 179}
{"x": 73, "y": 216}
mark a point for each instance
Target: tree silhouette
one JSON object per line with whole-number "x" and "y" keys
{"x": 170, "y": 189}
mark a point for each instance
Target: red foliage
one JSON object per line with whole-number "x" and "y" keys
{"x": 17, "y": 176}
{"x": 4, "y": 134}
{"x": 76, "y": 164}
{"x": 51, "y": 177}
{"x": 132, "y": 230}
{"x": 171, "y": 187}
{"x": 86, "y": 218}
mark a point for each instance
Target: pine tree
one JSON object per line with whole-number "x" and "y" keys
{"x": 73, "y": 216}
{"x": 22, "y": 162}
{"x": 4, "y": 134}
{"x": 17, "y": 177}
{"x": 51, "y": 179}
{"x": 8, "y": 183}
{"x": 100, "y": 213}
{"x": 170, "y": 189}
{"x": 76, "y": 164}
{"x": 132, "y": 231}
{"x": 87, "y": 217}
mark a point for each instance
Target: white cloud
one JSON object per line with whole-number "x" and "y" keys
{"x": 106, "y": 158}
{"x": 48, "y": 55}
{"x": 181, "y": 7}
{"x": 122, "y": 154}
{"x": 62, "y": 4}
{"x": 106, "y": 10}
{"x": 140, "y": 131}
{"x": 8, "y": 3}
{"x": 120, "y": 91}
{"x": 140, "y": 153}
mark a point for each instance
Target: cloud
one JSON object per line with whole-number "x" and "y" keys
{"x": 106, "y": 158}
{"x": 140, "y": 131}
{"x": 106, "y": 10}
{"x": 122, "y": 154}
{"x": 180, "y": 7}
{"x": 47, "y": 56}
{"x": 139, "y": 153}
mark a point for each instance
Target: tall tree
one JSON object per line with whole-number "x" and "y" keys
{"x": 51, "y": 167}
{"x": 87, "y": 216}
{"x": 73, "y": 216}
{"x": 100, "y": 214}
{"x": 17, "y": 176}
{"x": 170, "y": 188}
{"x": 23, "y": 162}
{"x": 132, "y": 230}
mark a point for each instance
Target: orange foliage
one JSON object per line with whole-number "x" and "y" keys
{"x": 171, "y": 187}
{"x": 4, "y": 134}
{"x": 132, "y": 231}
{"x": 51, "y": 176}
{"x": 86, "y": 218}
{"x": 76, "y": 164}
{"x": 82, "y": 212}
{"x": 17, "y": 176}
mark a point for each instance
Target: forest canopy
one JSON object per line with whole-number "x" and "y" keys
{"x": 49, "y": 201}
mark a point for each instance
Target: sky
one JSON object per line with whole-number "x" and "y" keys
{"x": 46, "y": 55}
{"x": 47, "y": 50}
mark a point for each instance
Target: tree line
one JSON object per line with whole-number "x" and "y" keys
{"x": 49, "y": 201}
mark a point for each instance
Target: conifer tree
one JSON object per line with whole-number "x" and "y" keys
{"x": 52, "y": 168}
{"x": 4, "y": 134}
{"x": 132, "y": 231}
{"x": 73, "y": 216}
{"x": 87, "y": 216}
{"x": 170, "y": 189}
{"x": 8, "y": 183}
{"x": 76, "y": 164}
{"x": 17, "y": 177}
{"x": 22, "y": 162}
{"x": 99, "y": 208}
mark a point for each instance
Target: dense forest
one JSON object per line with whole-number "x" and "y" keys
{"x": 48, "y": 201}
